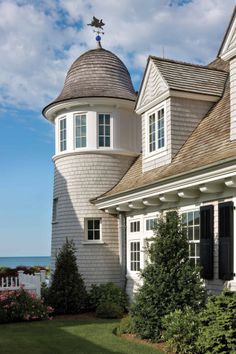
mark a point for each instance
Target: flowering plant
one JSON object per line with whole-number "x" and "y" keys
{"x": 21, "y": 305}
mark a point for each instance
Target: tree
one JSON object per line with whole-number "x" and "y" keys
{"x": 170, "y": 281}
{"x": 67, "y": 293}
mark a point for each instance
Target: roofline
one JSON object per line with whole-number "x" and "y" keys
{"x": 186, "y": 63}
{"x": 143, "y": 78}
{"x": 53, "y": 104}
{"x": 227, "y": 31}
{"x": 162, "y": 181}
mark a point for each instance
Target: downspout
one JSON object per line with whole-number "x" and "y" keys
{"x": 122, "y": 248}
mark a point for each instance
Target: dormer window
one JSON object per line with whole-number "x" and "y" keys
{"x": 80, "y": 131}
{"x": 156, "y": 130}
{"x": 62, "y": 132}
{"x": 104, "y": 130}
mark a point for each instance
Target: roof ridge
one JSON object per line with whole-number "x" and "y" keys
{"x": 185, "y": 63}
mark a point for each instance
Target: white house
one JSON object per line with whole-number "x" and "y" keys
{"x": 108, "y": 194}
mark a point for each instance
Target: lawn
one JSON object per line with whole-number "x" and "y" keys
{"x": 67, "y": 336}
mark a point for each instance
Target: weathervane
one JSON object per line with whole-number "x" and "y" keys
{"x": 98, "y": 24}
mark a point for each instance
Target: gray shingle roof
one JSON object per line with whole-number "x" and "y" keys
{"x": 97, "y": 73}
{"x": 190, "y": 77}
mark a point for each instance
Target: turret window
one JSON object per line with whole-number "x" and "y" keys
{"x": 62, "y": 128}
{"x": 93, "y": 229}
{"x": 156, "y": 130}
{"x": 80, "y": 131}
{"x": 104, "y": 130}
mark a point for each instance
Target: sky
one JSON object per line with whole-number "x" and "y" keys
{"x": 39, "y": 40}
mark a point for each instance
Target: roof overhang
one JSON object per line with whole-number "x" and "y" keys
{"x": 51, "y": 111}
{"x": 212, "y": 179}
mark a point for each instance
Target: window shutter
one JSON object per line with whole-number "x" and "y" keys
{"x": 226, "y": 211}
{"x": 207, "y": 241}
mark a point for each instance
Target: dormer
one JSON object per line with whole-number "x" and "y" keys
{"x": 228, "y": 52}
{"x": 173, "y": 98}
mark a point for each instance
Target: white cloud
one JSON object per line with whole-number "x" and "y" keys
{"x": 40, "y": 40}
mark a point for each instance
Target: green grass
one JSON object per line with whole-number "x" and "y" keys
{"x": 67, "y": 337}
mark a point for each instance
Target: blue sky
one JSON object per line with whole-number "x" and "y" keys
{"x": 39, "y": 40}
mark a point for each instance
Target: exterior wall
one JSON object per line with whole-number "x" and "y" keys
{"x": 213, "y": 286}
{"x": 181, "y": 118}
{"x": 78, "y": 178}
{"x": 233, "y": 98}
{"x": 185, "y": 116}
{"x": 125, "y": 130}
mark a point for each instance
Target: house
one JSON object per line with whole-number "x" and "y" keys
{"x": 108, "y": 195}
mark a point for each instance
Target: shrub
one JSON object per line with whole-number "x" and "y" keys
{"x": 20, "y": 305}
{"x": 109, "y": 310}
{"x": 108, "y": 292}
{"x": 67, "y": 293}
{"x": 218, "y": 325}
{"x": 170, "y": 281}
{"x": 181, "y": 329}
{"x": 125, "y": 326}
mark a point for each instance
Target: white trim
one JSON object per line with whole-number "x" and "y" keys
{"x": 64, "y": 117}
{"x": 95, "y": 151}
{"x": 111, "y": 132}
{"x": 74, "y": 130}
{"x": 94, "y": 241}
{"x": 224, "y": 53}
{"x": 165, "y": 186}
{"x": 161, "y": 151}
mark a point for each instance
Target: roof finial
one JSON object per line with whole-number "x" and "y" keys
{"x": 98, "y": 24}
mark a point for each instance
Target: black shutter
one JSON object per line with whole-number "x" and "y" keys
{"x": 207, "y": 241}
{"x": 226, "y": 211}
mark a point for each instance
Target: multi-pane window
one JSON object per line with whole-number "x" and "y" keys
{"x": 152, "y": 133}
{"x": 135, "y": 256}
{"x": 156, "y": 131}
{"x": 54, "y": 209}
{"x": 62, "y": 131}
{"x": 104, "y": 129}
{"x": 135, "y": 226}
{"x": 191, "y": 222}
{"x": 80, "y": 131}
{"x": 150, "y": 224}
{"x": 93, "y": 229}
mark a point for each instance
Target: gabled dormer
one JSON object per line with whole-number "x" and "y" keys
{"x": 173, "y": 98}
{"x": 228, "y": 52}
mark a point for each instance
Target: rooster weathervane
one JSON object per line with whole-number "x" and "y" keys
{"x": 98, "y": 24}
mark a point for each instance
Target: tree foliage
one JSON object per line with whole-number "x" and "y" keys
{"x": 67, "y": 293}
{"x": 170, "y": 281}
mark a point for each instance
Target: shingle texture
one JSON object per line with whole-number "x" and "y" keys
{"x": 97, "y": 73}
{"x": 209, "y": 143}
{"x": 191, "y": 78}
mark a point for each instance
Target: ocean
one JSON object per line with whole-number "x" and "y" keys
{"x": 13, "y": 262}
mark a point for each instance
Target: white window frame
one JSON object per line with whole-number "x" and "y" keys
{"x": 129, "y": 256}
{"x": 147, "y": 140}
{"x": 62, "y": 141}
{"x": 192, "y": 210}
{"x": 74, "y": 135}
{"x": 111, "y": 131}
{"x": 133, "y": 223}
{"x": 87, "y": 240}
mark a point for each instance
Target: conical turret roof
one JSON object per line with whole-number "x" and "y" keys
{"x": 97, "y": 73}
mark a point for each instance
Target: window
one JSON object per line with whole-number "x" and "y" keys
{"x": 93, "y": 229}
{"x": 135, "y": 256}
{"x": 104, "y": 128}
{"x": 80, "y": 131}
{"x": 54, "y": 209}
{"x": 62, "y": 128}
{"x": 191, "y": 222}
{"x": 135, "y": 226}
{"x": 156, "y": 133}
{"x": 150, "y": 224}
